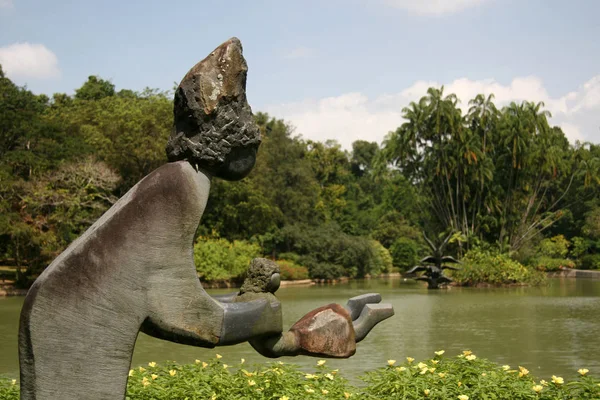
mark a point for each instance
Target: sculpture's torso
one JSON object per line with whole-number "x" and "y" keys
{"x": 135, "y": 264}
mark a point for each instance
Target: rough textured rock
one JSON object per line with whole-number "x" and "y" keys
{"x": 262, "y": 277}
{"x": 326, "y": 331}
{"x": 214, "y": 126}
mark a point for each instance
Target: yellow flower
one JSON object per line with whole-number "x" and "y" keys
{"x": 219, "y": 356}
{"x": 321, "y": 362}
{"x": 583, "y": 371}
{"x": 284, "y": 398}
{"x": 400, "y": 369}
{"x": 484, "y": 374}
{"x": 14, "y": 381}
{"x": 467, "y": 352}
{"x": 543, "y": 382}
{"x": 142, "y": 369}
{"x": 131, "y": 372}
{"x": 335, "y": 371}
{"x": 251, "y": 382}
{"x": 439, "y": 353}
{"x": 426, "y": 392}
{"x": 523, "y": 371}
{"x": 308, "y": 390}
{"x": 463, "y": 397}
{"x": 324, "y": 391}
{"x": 558, "y": 380}
{"x": 410, "y": 359}
{"x": 154, "y": 376}
{"x": 242, "y": 361}
{"x": 421, "y": 365}
{"x": 432, "y": 370}
{"x": 145, "y": 383}
{"x": 310, "y": 376}
{"x": 152, "y": 364}
{"x": 198, "y": 361}
{"x": 435, "y": 361}
{"x": 347, "y": 395}
{"x": 537, "y": 388}
{"x": 423, "y": 371}
{"x": 442, "y": 374}
{"x": 506, "y": 367}
{"x": 204, "y": 365}
{"x": 278, "y": 362}
{"x": 247, "y": 373}
{"x": 172, "y": 372}
{"x": 329, "y": 376}
{"x": 471, "y": 357}
{"x": 225, "y": 366}
{"x": 459, "y": 384}
{"x": 391, "y": 362}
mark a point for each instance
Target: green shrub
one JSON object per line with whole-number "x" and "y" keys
{"x": 555, "y": 247}
{"x": 404, "y": 252}
{"x": 9, "y": 389}
{"x": 487, "y": 266}
{"x": 580, "y": 246}
{"x": 291, "y": 271}
{"x": 469, "y": 377}
{"x": 544, "y": 263}
{"x": 293, "y": 257}
{"x": 590, "y": 261}
{"x": 322, "y": 270}
{"x": 218, "y": 259}
{"x": 326, "y": 246}
{"x": 440, "y": 378}
{"x": 383, "y": 261}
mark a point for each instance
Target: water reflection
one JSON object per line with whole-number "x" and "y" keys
{"x": 549, "y": 330}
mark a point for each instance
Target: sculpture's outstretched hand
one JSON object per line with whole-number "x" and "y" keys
{"x": 366, "y": 312}
{"x": 329, "y": 331}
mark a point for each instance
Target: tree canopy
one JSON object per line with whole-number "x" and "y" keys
{"x": 501, "y": 176}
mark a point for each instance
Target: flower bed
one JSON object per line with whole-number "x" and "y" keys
{"x": 462, "y": 377}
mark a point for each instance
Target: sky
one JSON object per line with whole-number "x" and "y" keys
{"x": 334, "y": 69}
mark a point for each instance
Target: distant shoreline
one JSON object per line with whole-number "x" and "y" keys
{"x": 8, "y": 290}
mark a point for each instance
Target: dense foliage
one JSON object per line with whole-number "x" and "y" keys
{"x": 502, "y": 177}
{"x": 219, "y": 259}
{"x": 462, "y": 377}
{"x": 491, "y": 267}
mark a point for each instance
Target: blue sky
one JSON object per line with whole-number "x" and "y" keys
{"x": 334, "y": 69}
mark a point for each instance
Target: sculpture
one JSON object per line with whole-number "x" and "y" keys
{"x": 434, "y": 274}
{"x": 133, "y": 269}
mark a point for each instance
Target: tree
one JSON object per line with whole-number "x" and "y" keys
{"x": 95, "y": 88}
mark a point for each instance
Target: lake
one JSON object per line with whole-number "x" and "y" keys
{"x": 549, "y": 330}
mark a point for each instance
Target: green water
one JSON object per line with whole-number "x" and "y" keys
{"x": 549, "y": 330}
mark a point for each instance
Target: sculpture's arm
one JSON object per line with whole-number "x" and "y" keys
{"x": 216, "y": 324}
{"x": 330, "y": 331}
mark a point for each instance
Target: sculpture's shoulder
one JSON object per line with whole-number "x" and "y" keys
{"x": 173, "y": 194}
{"x": 172, "y": 182}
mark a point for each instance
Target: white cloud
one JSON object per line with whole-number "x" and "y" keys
{"x": 299, "y": 52}
{"x": 434, "y": 7}
{"x": 25, "y": 60}
{"x": 6, "y": 4}
{"x": 354, "y": 116}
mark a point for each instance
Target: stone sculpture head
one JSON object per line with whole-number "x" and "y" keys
{"x": 262, "y": 277}
{"x": 214, "y": 128}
